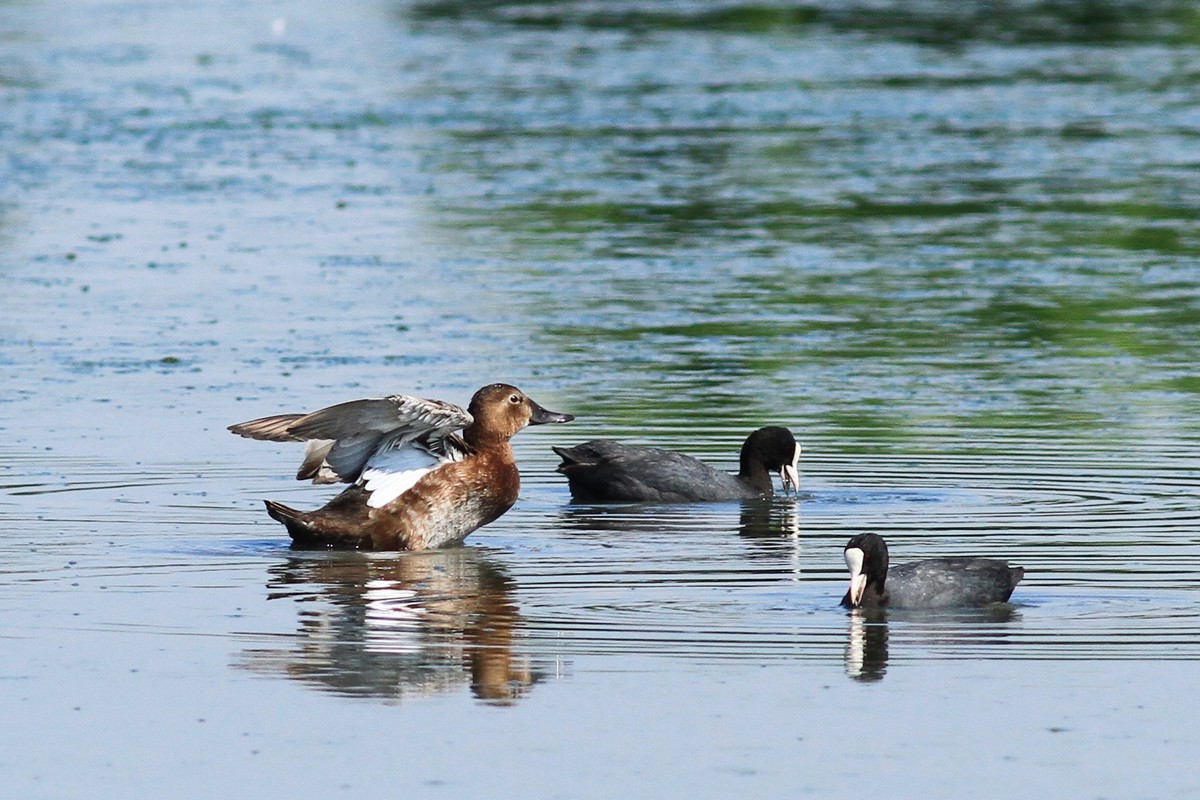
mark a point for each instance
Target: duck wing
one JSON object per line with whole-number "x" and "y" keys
{"x": 342, "y": 438}
{"x": 394, "y": 469}
{"x": 398, "y": 414}
{"x": 269, "y": 429}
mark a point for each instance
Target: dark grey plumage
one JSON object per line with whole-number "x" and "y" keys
{"x": 604, "y": 470}
{"x": 949, "y": 582}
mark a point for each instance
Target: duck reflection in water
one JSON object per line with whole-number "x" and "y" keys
{"x": 400, "y": 626}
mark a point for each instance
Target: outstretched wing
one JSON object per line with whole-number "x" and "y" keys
{"x": 390, "y": 472}
{"x": 269, "y": 429}
{"x": 387, "y": 415}
{"x": 342, "y": 438}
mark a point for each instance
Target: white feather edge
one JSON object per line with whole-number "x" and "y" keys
{"x": 392, "y": 473}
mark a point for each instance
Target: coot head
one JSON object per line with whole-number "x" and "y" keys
{"x": 867, "y": 558}
{"x": 775, "y": 448}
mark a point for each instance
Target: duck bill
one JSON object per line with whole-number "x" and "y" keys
{"x": 858, "y": 579}
{"x": 541, "y": 416}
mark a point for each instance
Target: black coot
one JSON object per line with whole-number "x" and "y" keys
{"x": 954, "y": 582}
{"x": 603, "y": 470}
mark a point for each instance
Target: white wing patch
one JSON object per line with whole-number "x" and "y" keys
{"x": 393, "y": 472}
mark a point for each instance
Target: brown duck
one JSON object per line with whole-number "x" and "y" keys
{"x": 416, "y": 484}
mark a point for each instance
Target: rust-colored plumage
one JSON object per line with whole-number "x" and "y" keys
{"x": 415, "y": 484}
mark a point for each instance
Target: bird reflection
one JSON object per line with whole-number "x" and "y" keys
{"x": 771, "y": 526}
{"x": 589, "y": 518}
{"x": 867, "y": 646}
{"x": 770, "y": 520}
{"x": 400, "y": 625}
{"x": 960, "y": 630}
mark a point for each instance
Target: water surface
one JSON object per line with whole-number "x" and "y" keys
{"x": 952, "y": 246}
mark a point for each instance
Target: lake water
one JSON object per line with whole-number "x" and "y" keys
{"x": 952, "y": 245}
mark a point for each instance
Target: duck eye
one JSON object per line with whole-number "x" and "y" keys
{"x": 516, "y": 398}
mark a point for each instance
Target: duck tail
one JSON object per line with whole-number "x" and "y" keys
{"x": 316, "y": 529}
{"x": 281, "y": 512}
{"x": 295, "y": 521}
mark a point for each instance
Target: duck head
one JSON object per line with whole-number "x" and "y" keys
{"x": 501, "y": 410}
